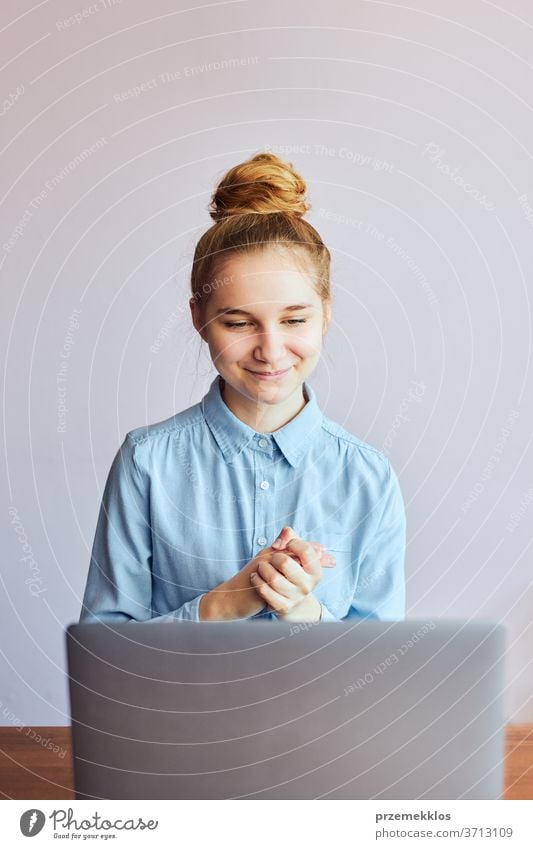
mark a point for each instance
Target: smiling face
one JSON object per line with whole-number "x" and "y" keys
{"x": 264, "y": 326}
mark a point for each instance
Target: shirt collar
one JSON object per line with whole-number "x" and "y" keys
{"x": 232, "y": 435}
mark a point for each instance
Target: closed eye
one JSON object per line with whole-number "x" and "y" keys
{"x": 290, "y": 321}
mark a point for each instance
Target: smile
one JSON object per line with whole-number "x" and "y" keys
{"x": 271, "y": 375}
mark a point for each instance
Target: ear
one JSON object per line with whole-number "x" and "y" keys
{"x": 196, "y": 318}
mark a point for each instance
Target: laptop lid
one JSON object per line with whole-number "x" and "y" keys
{"x": 270, "y": 710}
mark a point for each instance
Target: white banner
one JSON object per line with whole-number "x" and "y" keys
{"x": 268, "y": 823}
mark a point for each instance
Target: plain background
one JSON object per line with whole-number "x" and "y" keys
{"x": 413, "y": 128}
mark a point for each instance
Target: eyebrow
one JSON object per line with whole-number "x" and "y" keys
{"x": 232, "y": 310}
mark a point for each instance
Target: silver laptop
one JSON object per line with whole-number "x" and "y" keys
{"x": 268, "y": 710}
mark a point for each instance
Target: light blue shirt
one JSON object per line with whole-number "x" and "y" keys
{"x": 191, "y": 500}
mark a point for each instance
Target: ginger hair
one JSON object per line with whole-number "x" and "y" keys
{"x": 258, "y": 205}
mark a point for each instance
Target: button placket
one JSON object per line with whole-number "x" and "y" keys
{"x": 263, "y": 497}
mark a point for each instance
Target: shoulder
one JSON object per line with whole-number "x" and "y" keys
{"x": 357, "y": 450}
{"x": 180, "y": 423}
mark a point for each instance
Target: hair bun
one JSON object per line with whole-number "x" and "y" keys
{"x": 264, "y": 183}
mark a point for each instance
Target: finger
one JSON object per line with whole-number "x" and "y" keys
{"x": 328, "y": 561}
{"x": 279, "y": 583}
{"x": 308, "y": 557}
{"x": 275, "y": 601}
{"x": 285, "y": 535}
{"x": 292, "y": 571}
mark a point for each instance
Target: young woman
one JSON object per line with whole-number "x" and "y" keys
{"x": 252, "y": 503}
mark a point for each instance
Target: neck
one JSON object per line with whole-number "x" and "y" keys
{"x": 261, "y": 417}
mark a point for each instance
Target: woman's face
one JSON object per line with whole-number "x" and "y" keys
{"x": 253, "y": 328}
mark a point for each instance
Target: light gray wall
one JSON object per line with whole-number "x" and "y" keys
{"x": 414, "y": 130}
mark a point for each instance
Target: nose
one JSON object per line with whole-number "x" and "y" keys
{"x": 270, "y": 347}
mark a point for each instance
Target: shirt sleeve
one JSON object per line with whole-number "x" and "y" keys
{"x": 119, "y": 583}
{"x": 380, "y": 589}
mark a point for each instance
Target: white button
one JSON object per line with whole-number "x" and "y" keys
{"x": 264, "y": 484}
{"x": 261, "y": 540}
{"x": 263, "y": 443}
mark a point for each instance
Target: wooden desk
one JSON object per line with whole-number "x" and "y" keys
{"x": 33, "y": 768}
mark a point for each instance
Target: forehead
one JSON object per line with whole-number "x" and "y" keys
{"x": 267, "y": 280}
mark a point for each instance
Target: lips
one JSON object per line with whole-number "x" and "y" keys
{"x": 269, "y": 375}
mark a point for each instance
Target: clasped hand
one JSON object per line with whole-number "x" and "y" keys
{"x": 286, "y": 573}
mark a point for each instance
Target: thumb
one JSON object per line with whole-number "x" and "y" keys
{"x": 286, "y": 534}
